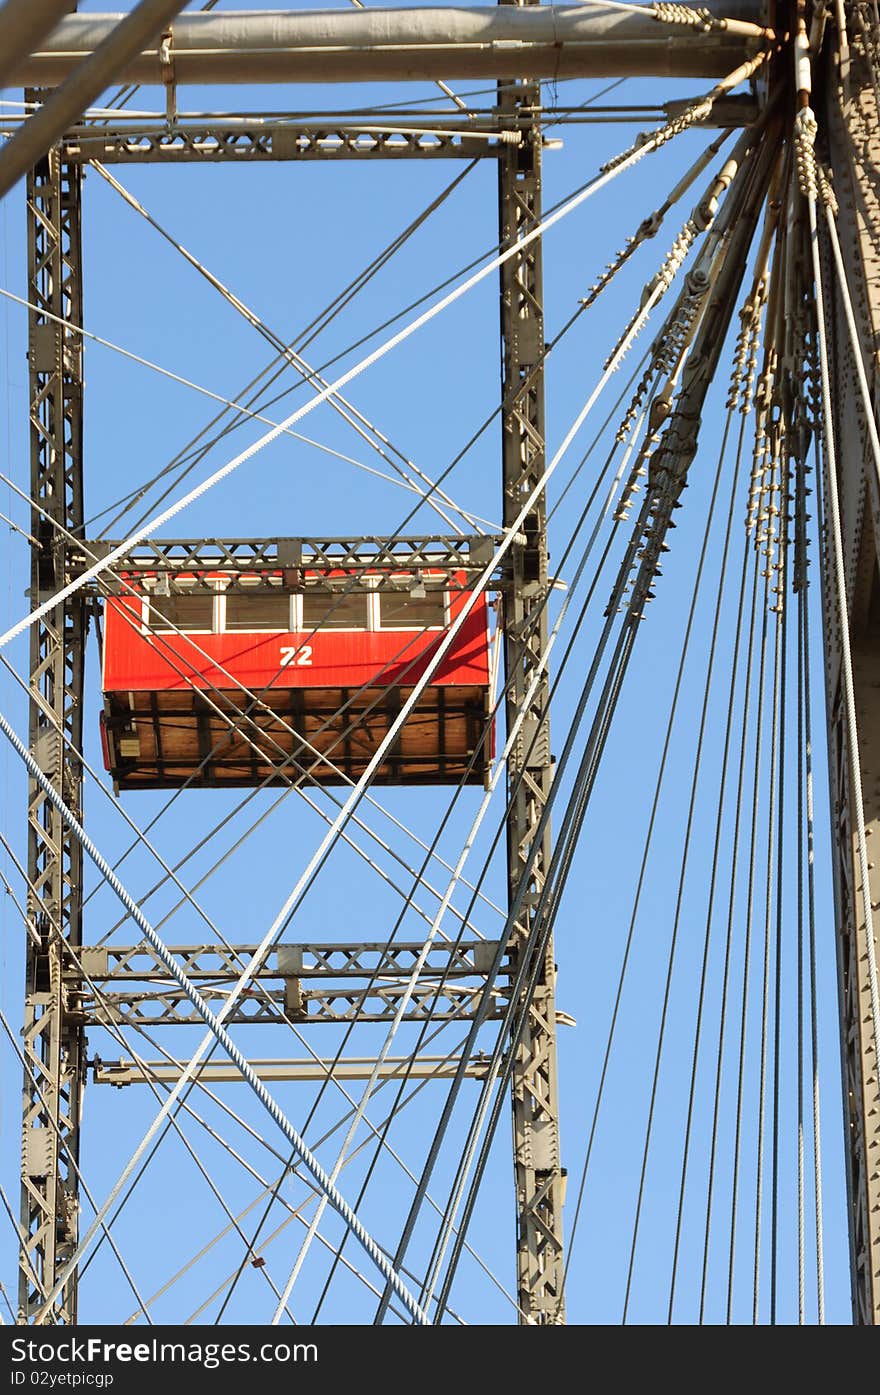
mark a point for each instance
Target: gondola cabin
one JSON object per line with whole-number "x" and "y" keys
{"x": 220, "y": 679}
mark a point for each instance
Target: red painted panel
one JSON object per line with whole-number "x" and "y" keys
{"x": 134, "y": 661}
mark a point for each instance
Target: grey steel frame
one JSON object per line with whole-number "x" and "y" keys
{"x": 53, "y": 1037}
{"x": 534, "y": 1083}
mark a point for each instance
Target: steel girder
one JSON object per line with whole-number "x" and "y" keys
{"x": 316, "y": 983}
{"x": 53, "y": 1042}
{"x": 534, "y": 1086}
{"x": 853, "y": 123}
{"x": 242, "y": 143}
{"x": 256, "y": 558}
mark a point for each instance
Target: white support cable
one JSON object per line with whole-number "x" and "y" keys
{"x": 840, "y": 586}
{"x": 359, "y": 423}
{"x": 216, "y": 1030}
{"x": 116, "y": 1033}
{"x": 409, "y": 988}
{"x": 490, "y": 1077}
{"x": 114, "y": 1030}
{"x": 500, "y": 769}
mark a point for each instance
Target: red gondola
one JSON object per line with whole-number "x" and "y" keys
{"x": 221, "y": 679}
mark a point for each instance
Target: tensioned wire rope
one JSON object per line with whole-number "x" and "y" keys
{"x": 807, "y": 850}
{"x": 643, "y": 868}
{"x": 745, "y": 408}
{"x": 501, "y": 764}
{"x": 116, "y": 1032}
{"x": 353, "y": 417}
{"x": 320, "y": 322}
{"x": 608, "y": 501}
{"x": 781, "y": 639}
{"x": 249, "y": 1129}
{"x": 306, "y": 336}
{"x": 566, "y": 843}
{"x": 110, "y": 558}
{"x": 625, "y": 960}
{"x": 311, "y": 375}
{"x": 245, "y": 414}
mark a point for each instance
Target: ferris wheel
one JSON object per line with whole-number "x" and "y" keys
{"x": 462, "y": 758}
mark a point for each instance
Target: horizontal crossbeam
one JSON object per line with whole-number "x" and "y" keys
{"x": 405, "y": 44}
{"x": 362, "y": 981}
{"x": 124, "y": 1072}
{"x": 288, "y": 557}
{"x": 240, "y": 142}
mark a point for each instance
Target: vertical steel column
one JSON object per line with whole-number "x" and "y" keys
{"x": 854, "y": 145}
{"x": 53, "y": 1038}
{"x": 538, "y": 1176}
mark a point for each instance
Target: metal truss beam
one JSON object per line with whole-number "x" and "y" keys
{"x": 254, "y": 558}
{"x": 406, "y": 44}
{"x": 346, "y": 982}
{"x": 538, "y": 1175}
{"x": 53, "y": 1043}
{"x": 854, "y": 136}
{"x": 241, "y": 142}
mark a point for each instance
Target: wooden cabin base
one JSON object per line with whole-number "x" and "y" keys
{"x": 165, "y": 739}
